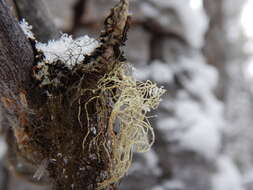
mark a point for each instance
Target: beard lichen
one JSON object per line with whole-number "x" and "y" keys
{"x": 96, "y": 128}
{"x": 128, "y": 125}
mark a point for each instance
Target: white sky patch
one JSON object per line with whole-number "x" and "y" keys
{"x": 196, "y": 4}
{"x": 27, "y": 29}
{"x": 67, "y": 49}
{"x": 246, "y": 19}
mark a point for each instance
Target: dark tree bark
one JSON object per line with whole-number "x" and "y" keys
{"x": 79, "y": 10}
{"x": 36, "y": 14}
{"x": 16, "y": 60}
{"x": 16, "y": 54}
{"x": 4, "y": 176}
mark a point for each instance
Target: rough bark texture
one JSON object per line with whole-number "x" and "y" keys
{"x": 36, "y": 14}
{"x": 16, "y": 55}
{"x": 16, "y": 60}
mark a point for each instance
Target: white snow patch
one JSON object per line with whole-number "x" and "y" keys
{"x": 149, "y": 164}
{"x": 228, "y": 176}
{"x": 149, "y": 10}
{"x": 27, "y": 29}
{"x": 203, "y": 138}
{"x": 197, "y": 120}
{"x": 70, "y": 51}
{"x": 142, "y": 73}
{"x": 170, "y": 184}
{"x": 205, "y": 77}
{"x": 152, "y": 162}
{"x": 192, "y": 15}
{"x": 157, "y": 71}
{"x": 161, "y": 72}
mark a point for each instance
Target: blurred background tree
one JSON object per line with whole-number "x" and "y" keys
{"x": 199, "y": 51}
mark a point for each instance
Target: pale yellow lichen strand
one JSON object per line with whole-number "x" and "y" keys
{"x": 133, "y": 101}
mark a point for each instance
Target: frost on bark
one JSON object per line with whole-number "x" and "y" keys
{"x": 75, "y": 117}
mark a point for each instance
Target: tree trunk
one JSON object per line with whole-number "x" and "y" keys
{"x": 36, "y": 14}
{"x": 16, "y": 54}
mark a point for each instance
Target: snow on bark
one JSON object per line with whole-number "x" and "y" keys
{"x": 68, "y": 50}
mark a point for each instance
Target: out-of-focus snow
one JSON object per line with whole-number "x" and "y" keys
{"x": 67, "y": 49}
{"x": 149, "y": 163}
{"x": 170, "y": 184}
{"x": 204, "y": 77}
{"x": 161, "y": 72}
{"x": 228, "y": 176}
{"x": 197, "y": 113}
{"x": 152, "y": 162}
{"x": 157, "y": 71}
{"x": 149, "y": 10}
{"x": 27, "y": 29}
{"x": 194, "y": 21}
{"x": 202, "y": 118}
{"x": 191, "y": 14}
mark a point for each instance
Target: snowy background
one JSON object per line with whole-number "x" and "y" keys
{"x": 201, "y": 51}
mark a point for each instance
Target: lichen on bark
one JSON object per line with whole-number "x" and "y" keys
{"x": 91, "y": 116}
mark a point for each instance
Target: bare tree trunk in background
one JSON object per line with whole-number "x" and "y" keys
{"x": 215, "y": 46}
